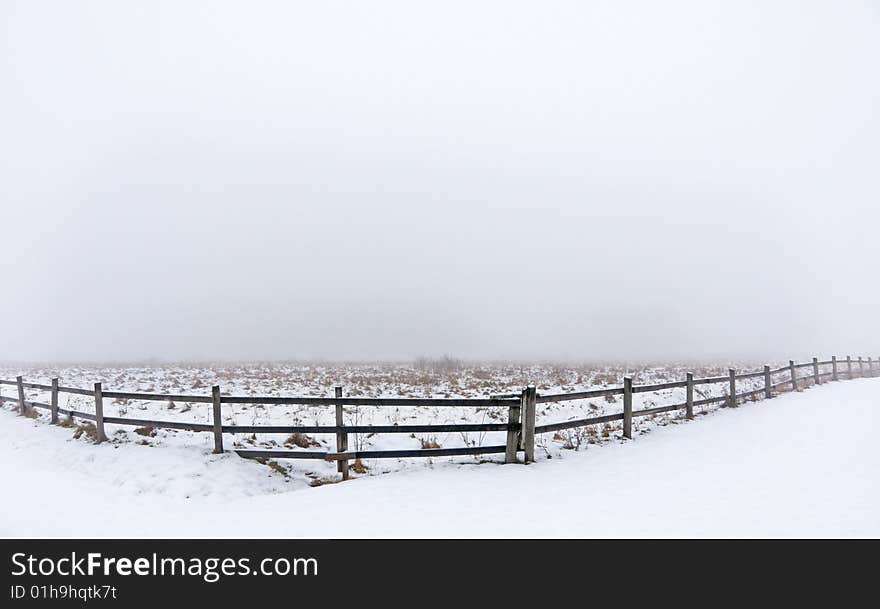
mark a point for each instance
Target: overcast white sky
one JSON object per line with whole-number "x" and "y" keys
{"x": 487, "y": 179}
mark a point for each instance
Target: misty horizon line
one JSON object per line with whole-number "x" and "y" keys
{"x": 422, "y": 361}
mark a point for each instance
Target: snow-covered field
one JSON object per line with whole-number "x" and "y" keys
{"x": 431, "y": 379}
{"x": 802, "y": 464}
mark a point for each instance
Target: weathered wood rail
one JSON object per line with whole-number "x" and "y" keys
{"x": 520, "y": 428}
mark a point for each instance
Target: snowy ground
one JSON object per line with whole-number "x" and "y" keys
{"x": 801, "y": 464}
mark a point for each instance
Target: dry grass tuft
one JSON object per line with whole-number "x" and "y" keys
{"x": 430, "y": 442}
{"x": 274, "y": 465}
{"x": 87, "y": 429}
{"x": 322, "y": 481}
{"x": 302, "y": 440}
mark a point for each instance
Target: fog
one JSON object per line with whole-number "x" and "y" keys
{"x": 383, "y": 180}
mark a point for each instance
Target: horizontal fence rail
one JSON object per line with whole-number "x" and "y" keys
{"x": 520, "y": 428}
{"x": 594, "y": 393}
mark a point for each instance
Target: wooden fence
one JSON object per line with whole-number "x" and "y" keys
{"x": 520, "y": 427}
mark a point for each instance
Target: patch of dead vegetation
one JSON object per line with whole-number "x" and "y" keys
{"x": 88, "y": 430}
{"x": 315, "y": 482}
{"x": 430, "y": 442}
{"x": 301, "y": 440}
{"x": 274, "y": 465}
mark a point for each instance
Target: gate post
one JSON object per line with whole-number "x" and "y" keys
{"x": 514, "y": 428}
{"x": 528, "y": 426}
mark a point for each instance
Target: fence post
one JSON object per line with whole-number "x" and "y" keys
{"x": 816, "y": 370}
{"x": 514, "y": 428}
{"x": 53, "y": 401}
{"x": 731, "y": 402}
{"x": 341, "y": 438}
{"x": 217, "y": 419}
{"x": 768, "y": 391}
{"x": 870, "y": 366}
{"x": 690, "y": 395}
{"x": 627, "y": 407}
{"x": 20, "y": 382}
{"x": 99, "y": 413}
{"x": 529, "y": 423}
{"x": 849, "y": 367}
{"x": 833, "y": 367}
{"x": 861, "y": 368}
{"x": 793, "y": 373}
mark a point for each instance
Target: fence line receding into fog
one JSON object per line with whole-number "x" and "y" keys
{"x": 520, "y": 427}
